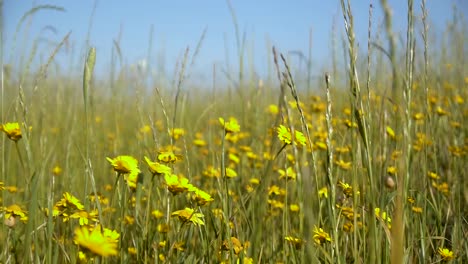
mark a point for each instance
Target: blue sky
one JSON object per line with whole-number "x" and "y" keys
{"x": 178, "y": 24}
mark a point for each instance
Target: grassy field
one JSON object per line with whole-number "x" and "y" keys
{"x": 368, "y": 165}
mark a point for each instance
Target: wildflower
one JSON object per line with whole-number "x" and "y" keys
{"x": 234, "y": 158}
{"x": 132, "y": 178}
{"x": 433, "y": 175}
{"x": 231, "y": 126}
{"x": 14, "y": 211}
{"x": 157, "y": 214}
{"x": 343, "y": 165}
{"x": 169, "y": 157}
{"x": 101, "y": 198}
{"x": 441, "y": 112}
{"x": 132, "y": 251}
{"x": 231, "y": 173}
{"x": 348, "y": 212}
{"x": 179, "y": 246}
{"x": 236, "y": 245}
{"x": 84, "y": 217}
{"x": 296, "y": 242}
{"x": 124, "y": 164}
{"x": 272, "y": 109}
{"x": 129, "y": 220}
{"x": 82, "y": 257}
{"x": 211, "y": 172}
{"x": 145, "y": 129}
{"x": 95, "y": 241}
{"x": 418, "y": 116}
{"x": 199, "y": 142}
{"x": 188, "y": 215}
{"x": 157, "y": 168}
{"x": 11, "y": 189}
{"x": 254, "y": 181}
{"x": 276, "y": 204}
{"x": 382, "y": 216}
{"x": 417, "y": 209}
{"x": 176, "y": 133}
{"x": 390, "y": 132}
{"x": 443, "y": 187}
{"x": 323, "y": 192}
{"x": 321, "y": 236}
{"x": 294, "y": 208}
{"x": 446, "y": 254}
{"x": 69, "y": 202}
{"x": 163, "y": 228}
{"x": 284, "y": 135}
{"x": 177, "y": 185}
{"x": 347, "y": 189}
{"x": 342, "y": 150}
{"x": 12, "y": 130}
{"x": 57, "y": 170}
{"x": 289, "y": 174}
{"x": 321, "y": 145}
{"x": 276, "y": 190}
{"x": 202, "y": 197}
{"x": 350, "y": 124}
{"x": 392, "y": 170}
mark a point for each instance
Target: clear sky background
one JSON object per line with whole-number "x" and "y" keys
{"x": 178, "y": 24}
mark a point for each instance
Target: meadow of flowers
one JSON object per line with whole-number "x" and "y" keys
{"x": 264, "y": 171}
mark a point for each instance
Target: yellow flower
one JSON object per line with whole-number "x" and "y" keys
{"x": 211, "y": 172}
{"x": 57, "y": 170}
{"x": 236, "y": 245}
{"x": 391, "y": 133}
{"x": 343, "y": 165}
{"x": 231, "y": 173}
{"x": 199, "y": 142}
{"x": 168, "y": 157}
{"x": 323, "y": 192}
{"x": 12, "y": 130}
{"x": 177, "y": 185}
{"x": 201, "y": 197}
{"x": 157, "y": 214}
{"x": 443, "y": 187}
{"x": 124, "y": 164}
{"x": 294, "y": 208}
{"x": 433, "y": 175}
{"x": 350, "y": 124}
{"x": 231, "y": 126}
{"x": 296, "y": 242}
{"x": 347, "y": 189}
{"x": 15, "y": 211}
{"x": 189, "y": 215}
{"x": 284, "y": 135}
{"x": 272, "y": 109}
{"x": 157, "y": 168}
{"x": 446, "y": 254}
{"x": 321, "y": 236}
{"x": 84, "y": 217}
{"x": 418, "y": 116}
{"x": 95, "y": 241}
{"x": 417, "y": 209}
{"x": 392, "y": 170}
{"x": 441, "y": 112}
{"x": 132, "y": 251}
{"x": 289, "y": 174}
{"x": 176, "y": 133}
{"x": 69, "y": 202}
{"x": 382, "y": 216}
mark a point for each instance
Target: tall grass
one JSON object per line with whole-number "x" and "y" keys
{"x": 337, "y": 174}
